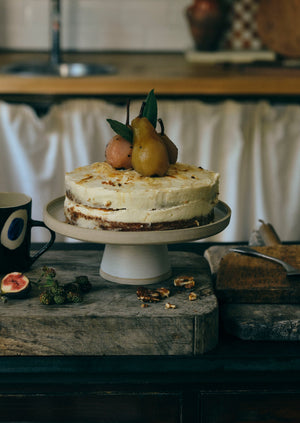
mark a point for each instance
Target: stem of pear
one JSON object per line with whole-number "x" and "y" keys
{"x": 142, "y": 109}
{"x": 127, "y": 112}
{"x": 162, "y": 128}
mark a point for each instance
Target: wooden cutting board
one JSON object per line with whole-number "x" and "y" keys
{"x": 278, "y": 26}
{"x": 248, "y": 279}
{"x": 110, "y": 320}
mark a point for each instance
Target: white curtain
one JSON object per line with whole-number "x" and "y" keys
{"x": 254, "y": 146}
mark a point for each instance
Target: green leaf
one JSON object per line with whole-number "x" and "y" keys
{"x": 121, "y": 129}
{"x": 150, "y": 109}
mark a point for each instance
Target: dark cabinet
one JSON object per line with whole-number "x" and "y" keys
{"x": 151, "y": 407}
{"x": 102, "y": 407}
{"x": 256, "y": 407}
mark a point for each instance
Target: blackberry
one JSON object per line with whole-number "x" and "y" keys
{"x": 59, "y": 299}
{"x": 84, "y": 283}
{"x": 46, "y": 298}
{"x": 59, "y": 295}
{"x": 74, "y": 297}
{"x": 48, "y": 271}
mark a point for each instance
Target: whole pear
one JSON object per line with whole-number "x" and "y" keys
{"x": 171, "y": 147}
{"x": 149, "y": 154}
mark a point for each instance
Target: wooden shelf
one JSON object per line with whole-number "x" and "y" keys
{"x": 168, "y": 74}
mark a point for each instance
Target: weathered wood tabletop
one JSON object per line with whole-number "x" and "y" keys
{"x": 110, "y": 320}
{"x": 275, "y": 316}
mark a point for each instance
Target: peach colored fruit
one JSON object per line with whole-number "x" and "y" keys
{"x": 118, "y": 153}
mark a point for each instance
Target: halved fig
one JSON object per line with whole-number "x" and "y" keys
{"x": 15, "y": 285}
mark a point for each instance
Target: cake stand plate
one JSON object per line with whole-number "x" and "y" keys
{"x": 134, "y": 258}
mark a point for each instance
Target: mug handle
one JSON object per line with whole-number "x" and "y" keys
{"x": 45, "y": 247}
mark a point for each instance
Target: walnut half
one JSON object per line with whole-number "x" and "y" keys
{"x": 193, "y": 296}
{"x": 151, "y": 295}
{"x": 187, "y": 282}
{"x": 169, "y": 305}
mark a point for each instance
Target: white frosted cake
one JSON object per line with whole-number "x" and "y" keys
{"x": 98, "y": 196}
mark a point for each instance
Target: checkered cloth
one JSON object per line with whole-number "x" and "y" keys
{"x": 241, "y": 31}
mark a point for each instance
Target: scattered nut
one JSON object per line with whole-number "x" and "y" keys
{"x": 148, "y": 295}
{"x": 164, "y": 292}
{"x": 187, "y": 282}
{"x": 144, "y": 305}
{"x": 193, "y": 296}
{"x": 169, "y": 305}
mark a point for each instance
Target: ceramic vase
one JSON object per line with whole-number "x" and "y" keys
{"x": 206, "y": 22}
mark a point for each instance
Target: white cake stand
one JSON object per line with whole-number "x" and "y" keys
{"x": 134, "y": 258}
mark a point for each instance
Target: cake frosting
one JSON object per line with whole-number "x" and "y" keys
{"x": 100, "y": 196}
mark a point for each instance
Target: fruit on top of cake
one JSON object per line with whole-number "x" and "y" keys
{"x": 119, "y": 148}
{"x": 171, "y": 147}
{"x": 149, "y": 154}
{"x": 15, "y": 285}
{"x": 118, "y": 153}
{"x": 152, "y": 153}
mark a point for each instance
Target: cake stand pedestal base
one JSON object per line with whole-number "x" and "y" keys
{"x": 139, "y": 257}
{"x": 135, "y": 264}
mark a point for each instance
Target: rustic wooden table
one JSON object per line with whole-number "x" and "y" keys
{"x": 111, "y": 320}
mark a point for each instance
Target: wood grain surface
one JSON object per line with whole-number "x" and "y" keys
{"x": 137, "y": 74}
{"x": 110, "y": 320}
{"x": 250, "y": 319}
{"x": 278, "y": 26}
{"x": 245, "y": 279}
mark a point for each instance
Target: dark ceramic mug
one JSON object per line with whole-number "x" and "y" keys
{"x": 15, "y": 233}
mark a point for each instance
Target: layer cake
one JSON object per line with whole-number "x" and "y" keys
{"x": 98, "y": 196}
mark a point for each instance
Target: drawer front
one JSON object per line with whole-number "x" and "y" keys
{"x": 259, "y": 407}
{"x": 107, "y": 407}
